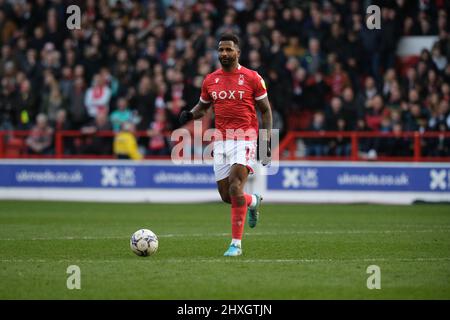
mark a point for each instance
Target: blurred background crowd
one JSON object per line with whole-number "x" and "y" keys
{"x": 140, "y": 63}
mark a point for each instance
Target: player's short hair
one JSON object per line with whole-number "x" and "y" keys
{"x": 230, "y": 37}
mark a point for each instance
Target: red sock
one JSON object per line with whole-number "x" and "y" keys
{"x": 248, "y": 199}
{"x": 238, "y": 214}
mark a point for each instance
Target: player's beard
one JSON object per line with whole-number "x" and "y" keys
{"x": 227, "y": 62}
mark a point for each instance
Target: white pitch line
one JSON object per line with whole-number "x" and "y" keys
{"x": 228, "y": 260}
{"x": 187, "y": 235}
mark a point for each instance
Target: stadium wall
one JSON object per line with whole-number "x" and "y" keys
{"x": 413, "y": 45}
{"x": 162, "y": 181}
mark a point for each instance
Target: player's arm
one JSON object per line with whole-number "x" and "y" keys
{"x": 197, "y": 112}
{"x": 266, "y": 116}
{"x": 200, "y": 108}
{"x": 262, "y": 103}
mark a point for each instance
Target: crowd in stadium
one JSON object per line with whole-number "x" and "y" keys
{"x": 142, "y": 62}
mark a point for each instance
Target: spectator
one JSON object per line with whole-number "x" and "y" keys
{"x": 445, "y": 91}
{"x": 279, "y": 92}
{"x": 389, "y": 38}
{"x": 317, "y": 146}
{"x": 121, "y": 115}
{"x": 375, "y": 112}
{"x": 314, "y": 60}
{"x": 366, "y": 144}
{"x": 390, "y": 78}
{"x": 158, "y": 142}
{"x": 340, "y": 146}
{"x": 298, "y": 84}
{"x": 66, "y": 82}
{"x": 350, "y": 108}
{"x": 413, "y": 117}
{"x": 76, "y": 110}
{"x": 61, "y": 124}
{"x": 335, "y": 42}
{"x": 26, "y": 105}
{"x": 334, "y": 113}
{"x": 396, "y": 146}
{"x": 41, "y": 136}
{"x": 293, "y": 48}
{"x": 316, "y": 92}
{"x": 439, "y": 60}
{"x": 125, "y": 144}
{"x": 441, "y": 146}
{"x": 353, "y": 58}
{"x": 98, "y": 97}
{"x": 7, "y": 105}
{"x": 96, "y": 139}
{"x": 53, "y": 99}
{"x": 440, "y": 117}
{"x": 145, "y": 103}
{"x": 370, "y": 90}
{"x": 228, "y": 26}
{"x": 394, "y": 97}
{"x": 338, "y": 79}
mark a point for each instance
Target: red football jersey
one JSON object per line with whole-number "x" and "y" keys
{"x": 233, "y": 95}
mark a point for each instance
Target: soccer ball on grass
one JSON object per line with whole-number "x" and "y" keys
{"x": 144, "y": 242}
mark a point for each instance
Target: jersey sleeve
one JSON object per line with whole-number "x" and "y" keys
{"x": 204, "y": 96}
{"x": 260, "y": 91}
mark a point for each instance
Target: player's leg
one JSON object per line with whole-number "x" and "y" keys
{"x": 237, "y": 179}
{"x": 246, "y": 154}
{"x": 222, "y": 171}
{"x": 236, "y": 170}
{"x": 223, "y": 186}
{"x": 253, "y": 213}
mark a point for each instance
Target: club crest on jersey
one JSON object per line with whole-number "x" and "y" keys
{"x": 217, "y": 80}
{"x": 241, "y": 80}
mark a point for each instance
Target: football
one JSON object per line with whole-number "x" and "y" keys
{"x": 144, "y": 242}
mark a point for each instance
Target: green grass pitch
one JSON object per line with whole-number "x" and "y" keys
{"x": 295, "y": 252}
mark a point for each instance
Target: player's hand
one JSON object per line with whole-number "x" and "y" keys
{"x": 186, "y": 116}
{"x": 266, "y": 157}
